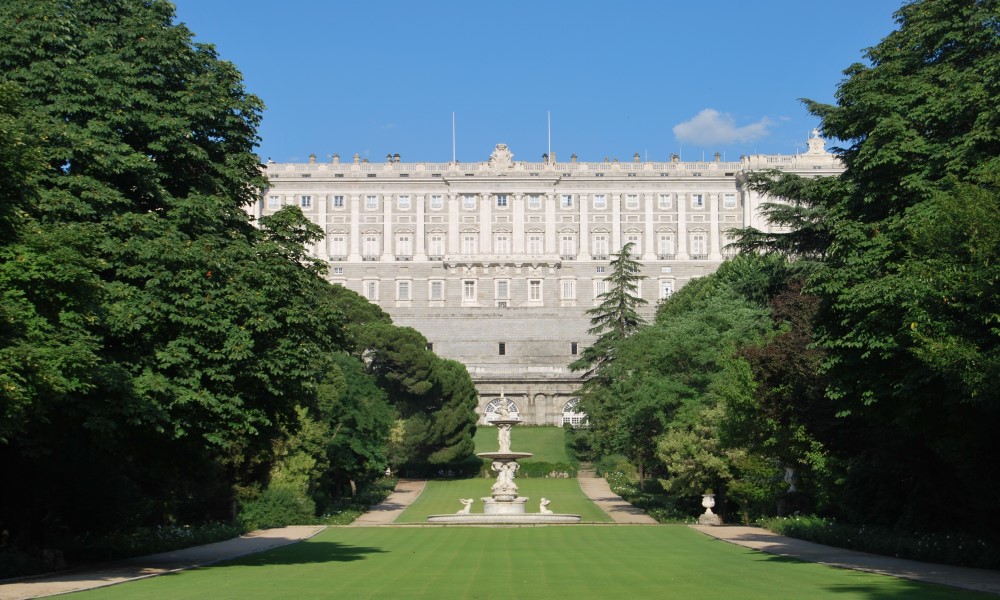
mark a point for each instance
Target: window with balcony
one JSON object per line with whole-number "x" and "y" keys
{"x": 599, "y": 246}
{"x": 699, "y": 246}
{"x": 470, "y": 243}
{"x": 665, "y": 246}
{"x": 338, "y": 247}
{"x": 501, "y": 243}
{"x": 636, "y": 240}
{"x": 371, "y": 248}
{"x": 536, "y": 245}
{"x": 435, "y": 247}
{"x": 404, "y": 247}
{"x": 567, "y": 246}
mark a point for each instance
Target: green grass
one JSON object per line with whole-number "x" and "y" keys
{"x": 526, "y": 563}
{"x": 441, "y": 498}
{"x": 548, "y": 444}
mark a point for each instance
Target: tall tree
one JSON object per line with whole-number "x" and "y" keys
{"x": 616, "y": 317}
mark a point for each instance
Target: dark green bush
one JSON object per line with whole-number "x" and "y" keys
{"x": 946, "y": 548}
{"x": 277, "y": 507}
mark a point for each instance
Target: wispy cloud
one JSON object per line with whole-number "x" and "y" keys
{"x": 712, "y": 127}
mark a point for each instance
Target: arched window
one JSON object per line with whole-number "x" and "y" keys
{"x": 572, "y": 416}
{"x": 490, "y": 413}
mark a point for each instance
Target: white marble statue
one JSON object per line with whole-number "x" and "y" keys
{"x": 543, "y": 507}
{"x": 503, "y": 437}
{"x": 466, "y": 505}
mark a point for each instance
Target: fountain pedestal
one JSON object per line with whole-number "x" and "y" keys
{"x": 503, "y": 505}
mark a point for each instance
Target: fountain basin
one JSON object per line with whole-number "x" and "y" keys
{"x": 504, "y": 455}
{"x": 506, "y": 519}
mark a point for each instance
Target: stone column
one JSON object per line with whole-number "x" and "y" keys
{"x": 616, "y": 223}
{"x": 682, "y": 236}
{"x": 486, "y": 224}
{"x": 550, "y": 224}
{"x": 647, "y": 235}
{"x": 354, "y": 253}
{"x": 584, "y": 251}
{"x": 517, "y": 227}
{"x": 453, "y": 225}
{"x": 420, "y": 252}
{"x": 714, "y": 234}
{"x": 387, "y": 241}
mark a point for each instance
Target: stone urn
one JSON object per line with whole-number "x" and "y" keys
{"x": 709, "y": 517}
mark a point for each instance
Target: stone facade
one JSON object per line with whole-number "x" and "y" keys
{"x": 496, "y": 262}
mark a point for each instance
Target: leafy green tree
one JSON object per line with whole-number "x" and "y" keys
{"x": 616, "y": 317}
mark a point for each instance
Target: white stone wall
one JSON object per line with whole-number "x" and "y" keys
{"x": 396, "y": 231}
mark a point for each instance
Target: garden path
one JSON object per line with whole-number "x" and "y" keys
{"x": 96, "y": 576}
{"x": 980, "y": 580}
{"x": 385, "y": 513}
{"x": 598, "y": 490}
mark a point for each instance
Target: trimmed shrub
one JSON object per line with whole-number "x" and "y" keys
{"x": 277, "y": 507}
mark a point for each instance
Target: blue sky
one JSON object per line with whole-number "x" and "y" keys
{"x": 653, "y": 77}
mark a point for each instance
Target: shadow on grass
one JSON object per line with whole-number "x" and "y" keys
{"x": 311, "y": 552}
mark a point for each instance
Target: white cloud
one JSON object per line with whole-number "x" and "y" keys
{"x": 712, "y": 127}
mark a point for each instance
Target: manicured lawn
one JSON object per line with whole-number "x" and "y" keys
{"x": 521, "y": 563}
{"x": 548, "y": 444}
{"x": 441, "y": 498}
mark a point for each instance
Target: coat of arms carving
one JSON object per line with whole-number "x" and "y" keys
{"x": 502, "y": 158}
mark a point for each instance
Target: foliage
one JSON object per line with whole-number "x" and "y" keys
{"x": 277, "y": 506}
{"x": 942, "y": 548}
{"x": 658, "y": 505}
{"x": 616, "y": 317}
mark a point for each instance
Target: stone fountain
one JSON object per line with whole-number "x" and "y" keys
{"x": 504, "y": 505}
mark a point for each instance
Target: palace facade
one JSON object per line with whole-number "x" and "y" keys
{"x": 496, "y": 262}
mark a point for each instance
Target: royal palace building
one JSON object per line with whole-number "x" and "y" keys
{"x": 496, "y": 262}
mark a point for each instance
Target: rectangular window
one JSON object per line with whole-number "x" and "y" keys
{"x": 566, "y": 201}
{"x": 535, "y": 290}
{"x": 371, "y": 290}
{"x": 600, "y": 288}
{"x": 338, "y": 270}
{"x": 404, "y": 246}
{"x": 632, "y": 201}
{"x": 468, "y": 291}
{"x": 534, "y": 201}
{"x": 436, "y": 290}
{"x": 729, "y": 201}
{"x": 430, "y": 346}
{"x": 437, "y": 201}
{"x": 502, "y": 349}
{"x": 371, "y": 202}
{"x": 666, "y": 201}
{"x": 469, "y": 244}
{"x": 574, "y": 348}
{"x": 636, "y": 240}
{"x": 501, "y": 200}
{"x": 665, "y": 246}
{"x": 338, "y": 202}
{"x": 371, "y": 249}
{"x": 697, "y": 200}
{"x": 666, "y": 289}
{"x": 567, "y": 246}
{"x": 403, "y": 202}
{"x": 698, "y": 251}
{"x": 306, "y": 201}
{"x": 435, "y": 246}
{"x": 568, "y": 289}
{"x": 600, "y": 247}
{"x": 600, "y": 201}
{"x": 274, "y": 201}
{"x": 338, "y": 246}
{"x": 503, "y": 289}
{"x": 600, "y": 269}
{"x": 535, "y": 244}
{"x": 402, "y": 290}
{"x": 469, "y": 201}
{"x": 501, "y": 243}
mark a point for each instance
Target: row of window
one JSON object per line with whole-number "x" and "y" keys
{"x": 571, "y": 414}
{"x": 501, "y": 290}
{"x": 371, "y": 245}
{"x": 469, "y": 201}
